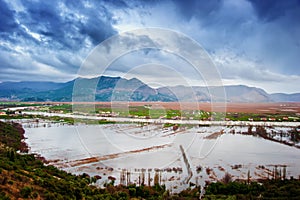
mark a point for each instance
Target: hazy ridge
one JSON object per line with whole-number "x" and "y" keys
{"x": 120, "y": 89}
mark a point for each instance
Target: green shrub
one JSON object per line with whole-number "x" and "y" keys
{"x": 132, "y": 192}
{"x": 25, "y": 192}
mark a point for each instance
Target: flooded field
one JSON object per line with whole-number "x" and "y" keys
{"x": 177, "y": 157}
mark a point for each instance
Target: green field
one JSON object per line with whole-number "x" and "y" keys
{"x": 147, "y": 111}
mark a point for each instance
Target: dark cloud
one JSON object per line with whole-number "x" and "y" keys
{"x": 277, "y": 35}
{"x": 270, "y": 10}
{"x": 7, "y": 20}
{"x": 96, "y": 29}
{"x": 265, "y": 31}
{"x": 119, "y": 3}
{"x": 57, "y": 35}
{"x": 191, "y": 8}
{"x": 66, "y": 26}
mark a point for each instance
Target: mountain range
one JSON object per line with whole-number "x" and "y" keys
{"x": 106, "y": 88}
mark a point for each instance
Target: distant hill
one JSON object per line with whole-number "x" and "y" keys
{"x": 281, "y": 97}
{"x": 106, "y": 88}
{"x": 30, "y": 85}
{"x": 242, "y": 93}
{"x": 234, "y": 93}
{"x": 15, "y": 89}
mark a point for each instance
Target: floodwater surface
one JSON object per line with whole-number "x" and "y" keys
{"x": 210, "y": 151}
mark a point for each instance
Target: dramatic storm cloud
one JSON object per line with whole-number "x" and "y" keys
{"x": 251, "y": 42}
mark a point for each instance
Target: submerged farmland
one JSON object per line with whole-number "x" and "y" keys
{"x": 177, "y": 157}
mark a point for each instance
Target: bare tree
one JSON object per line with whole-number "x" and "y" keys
{"x": 227, "y": 178}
